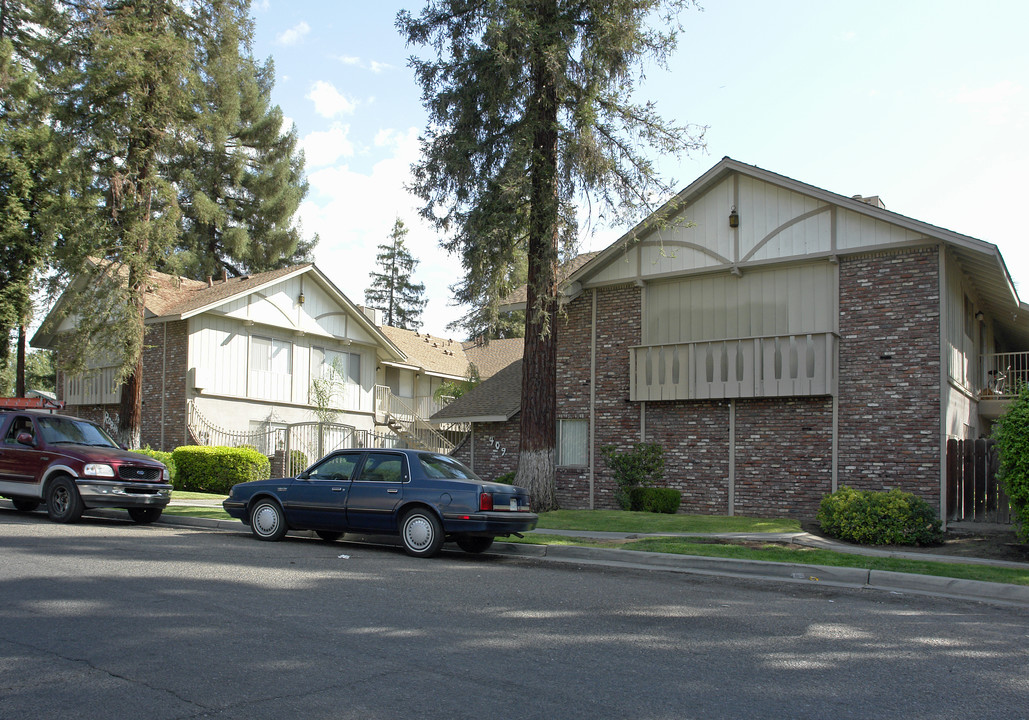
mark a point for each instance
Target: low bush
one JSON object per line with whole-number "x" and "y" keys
{"x": 1012, "y": 435}
{"x": 507, "y": 478}
{"x": 217, "y": 469}
{"x": 160, "y": 456}
{"x": 640, "y": 467}
{"x": 656, "y": 500}
{"x": 879, "y": 518}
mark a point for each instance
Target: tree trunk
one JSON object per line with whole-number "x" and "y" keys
{"x": 19, "y": 370}
{"x": 536, "y": 459}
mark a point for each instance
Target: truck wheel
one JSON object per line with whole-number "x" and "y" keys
{"x": 63, "y": 502}
{"x": 24, "y": 505}
{"x": 144, "y": 516}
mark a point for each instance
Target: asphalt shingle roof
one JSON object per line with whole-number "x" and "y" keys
{"x": 499, "y": 397}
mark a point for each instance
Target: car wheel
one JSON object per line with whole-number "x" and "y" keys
{"x": 267, "y": 521}
{"x": 421, "y": 533}
{"x": 144, "y": 516}
{"x": 24, "y": 505}
{"x": 63, "y": 502}
{"x": 474, "y": 543}
{"x": 328, "y": 536}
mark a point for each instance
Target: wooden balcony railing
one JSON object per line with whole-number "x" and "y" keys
{"x": 774, "y": 366}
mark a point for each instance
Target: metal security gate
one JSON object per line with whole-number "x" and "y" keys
{"x": 973, "y": 491}
{"x": 304, "y": 443}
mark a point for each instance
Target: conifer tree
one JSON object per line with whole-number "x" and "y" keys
{"x": 530, "y": 112}
{"x": 240, "y": 175}
{"x": 392, "y": 290}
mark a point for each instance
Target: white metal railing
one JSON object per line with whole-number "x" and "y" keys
{"x": 773, "y": 366}
{"x": 403, "y": 420}
{"x": 1003, "y": 374}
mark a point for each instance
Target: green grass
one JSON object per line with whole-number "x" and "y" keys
{"x": 200, "y": 512}
{"x": 645, "y": 522}
{"x": 189, "y": 495}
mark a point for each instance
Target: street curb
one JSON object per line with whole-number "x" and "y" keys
{"x": 880, "y": 580}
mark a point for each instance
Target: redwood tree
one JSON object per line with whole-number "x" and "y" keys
{"x": 531, "y": 115}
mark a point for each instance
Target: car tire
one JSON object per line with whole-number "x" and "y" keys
{"x": 474, "y": 543}
{"x": 421, "y": 533}
{"x": 63, "y": 502}
{"x": 24, "y": 504}
{"x": 328, "y": 535}
{"x": 144, "y": 516}
{"x": 267, "y": 521}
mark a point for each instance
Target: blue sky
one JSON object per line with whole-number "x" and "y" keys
{"x": 925, "y": 104}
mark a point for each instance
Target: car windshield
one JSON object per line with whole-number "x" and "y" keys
{"x": 441, "y": 466}
{"x": 57, "y": 430}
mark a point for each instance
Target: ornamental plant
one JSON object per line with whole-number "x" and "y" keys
{"x": 640, "y": 467}
{"x": 869, "y": 517}
{"x": 217, "y": 469}
{"x": 1012, "y": 435}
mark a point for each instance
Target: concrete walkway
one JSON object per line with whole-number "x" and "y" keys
{"x": 756, "y": 569}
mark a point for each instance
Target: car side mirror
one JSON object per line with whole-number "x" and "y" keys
{"x": 25, "y": 438}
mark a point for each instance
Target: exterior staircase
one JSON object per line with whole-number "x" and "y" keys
{"x": 398, "y": 416}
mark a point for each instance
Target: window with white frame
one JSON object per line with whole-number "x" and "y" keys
{"x": 271, "y": 368}
{"x": 342, "y": 371}
{"x": 572, "y": 443}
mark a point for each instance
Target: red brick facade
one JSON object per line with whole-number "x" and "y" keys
{"x": 889, "y": 404}
{"x": 889, "y": 435}
{"x": 165, "y": 363}
{"x": 495, "y": 449}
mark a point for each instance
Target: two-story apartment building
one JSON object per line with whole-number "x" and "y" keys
{"x": 778, "y": 340}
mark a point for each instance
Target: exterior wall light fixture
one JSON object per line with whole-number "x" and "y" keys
{"x": 979, "y": 316}
{"x": 734, "y": 218}
{"x": 301, "y": 299}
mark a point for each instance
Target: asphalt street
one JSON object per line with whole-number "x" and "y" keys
{"x": 105, "y": 619}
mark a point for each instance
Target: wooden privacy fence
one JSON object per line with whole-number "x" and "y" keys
{"x": 973, "y": 491}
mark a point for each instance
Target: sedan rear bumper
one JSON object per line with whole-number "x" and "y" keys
{"x": 490, "y": 523}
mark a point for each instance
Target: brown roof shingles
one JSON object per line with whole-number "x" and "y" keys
{"x": 498, "y": 397}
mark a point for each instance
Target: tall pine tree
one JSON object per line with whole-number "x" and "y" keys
{"x": 392, "y": 290}
{"x": 240, "y": 176}
{"x": 530, "y": 112}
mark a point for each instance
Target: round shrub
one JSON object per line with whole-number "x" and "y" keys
{"x": 507, "y": 478}
{"x": 879, "y": 518}
{"x": 217, "y": 469}
{"x": 656, "y": 500}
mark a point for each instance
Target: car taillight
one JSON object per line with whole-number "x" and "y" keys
{"x": 485, "y": 501}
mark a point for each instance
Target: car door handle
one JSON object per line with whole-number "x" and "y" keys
{"x": 337, "y": 489}
{"x": 393, "y": 492}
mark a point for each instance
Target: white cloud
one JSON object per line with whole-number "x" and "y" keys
{"x": 353, "y": 212}
{"x": 262, "y": 5}
{"x": 294, "y": 35}
{"x": 326, "y": 147}
{"x": 330, "y": 102}
{"x": 374, "y": 65}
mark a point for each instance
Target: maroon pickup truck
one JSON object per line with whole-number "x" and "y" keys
{"x": 72, "y": 464}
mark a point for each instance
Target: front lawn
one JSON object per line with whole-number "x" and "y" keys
{"x": 645, "y": 522}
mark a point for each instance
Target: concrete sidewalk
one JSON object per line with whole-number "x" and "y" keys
{"x": 755, "y": 569}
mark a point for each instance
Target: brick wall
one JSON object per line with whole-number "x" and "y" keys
{"x": 783, "y": 455}
{"x": 889, "y": 433}
{"x": 165, "y": 366}
{"x": 496, "y": 449}
{"x": 695, "y": 439}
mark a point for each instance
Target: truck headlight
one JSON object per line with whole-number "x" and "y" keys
{"x": 98, "y": 470}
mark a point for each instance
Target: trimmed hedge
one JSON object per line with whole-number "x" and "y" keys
{"x": 160, "y": 456}
{"x": 656, "y": 500}
{"x": 217, "y": 469}
{"x": 879, "y": 518}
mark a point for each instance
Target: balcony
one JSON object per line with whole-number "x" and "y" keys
{"x": 773, "y": 366}
{"x": 1002, "y": 376}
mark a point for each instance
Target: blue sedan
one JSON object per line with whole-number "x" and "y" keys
{"x": 424, "y": 497}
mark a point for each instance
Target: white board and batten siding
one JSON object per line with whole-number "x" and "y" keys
{"x": 745, "y": 312}
{"x": 263, "y": 347}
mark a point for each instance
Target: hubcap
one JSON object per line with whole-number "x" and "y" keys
{"x": 266, "y": 520}
{"x": 61, "y": 500}
{"x": 418, "y": 533}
